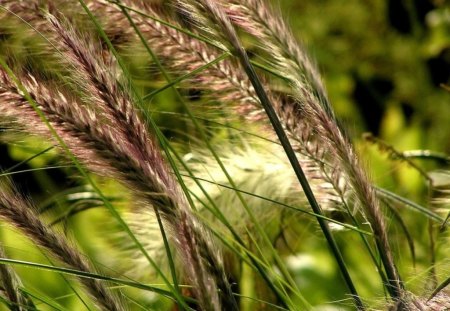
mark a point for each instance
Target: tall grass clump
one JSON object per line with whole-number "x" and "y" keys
{"x": 196, "y": 150}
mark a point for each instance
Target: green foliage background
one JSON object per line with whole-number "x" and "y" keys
{"x": 386, "y": 65}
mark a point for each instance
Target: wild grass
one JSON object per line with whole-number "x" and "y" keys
{"x": 206, "y": 207}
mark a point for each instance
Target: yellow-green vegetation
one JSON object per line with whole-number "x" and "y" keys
{"x": 224, "y": 155}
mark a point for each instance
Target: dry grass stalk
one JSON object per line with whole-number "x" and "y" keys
{"x": 21, "y": 214}
{"x": 58, "y": 108}
{"x": 256, "y": 17}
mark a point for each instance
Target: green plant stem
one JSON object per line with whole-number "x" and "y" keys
{"x": 328, "y": 219}
{"x": 241, "y": 54}
{"x": 167, "y": 293}
{"x": 390, "y": 195}
{"x": 186, "y": 76}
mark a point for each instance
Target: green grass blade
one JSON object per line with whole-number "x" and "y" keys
{"x": 440, "y": 288}
{"x": 241, "y": 54}
{"x": 28, "y": 159}
{"x": 186, "y": 76}
{"x": 67, "y": 271}
{"x": 4, "y": 174}
{"x": 48, "y": 302}
{"x": 390, "y": 195}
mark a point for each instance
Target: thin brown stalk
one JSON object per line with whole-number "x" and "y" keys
{"x": 20, "y": 213}
{"x": 58, "y": 109}
{"x": 272, "y": 32}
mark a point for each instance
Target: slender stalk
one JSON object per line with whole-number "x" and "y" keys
{"x": 256, "y": 18}
{"x": 218, "y": 16}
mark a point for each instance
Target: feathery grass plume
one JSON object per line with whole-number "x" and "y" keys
{"x": 222, "y": 28}
{"x": 260, "y": 171}
{"x": 121, "y": 146}
{"x": 227, "y": 83}
{"x": 26, "y": 21}
{"x": 106, "y": 133}
{"x": 261, "y": 174}
{"x": 19, "y": 212}
{"x": 12, "y": 7}
{"x": 96, "y": 145}
{"x": 129, "y": 258}
{"x": 33, "y": 13}
{"x": 64, "y": 114}
{"x": 29, "y": 11}
{"x": 182, "y": 53}
{"x": 268, "y": 186}
{"x": 292, "y": 63}
{"x": 224, "y": 82}
{"x": 15, "y": 298}
{"x": 203, "y": 265}
{"x": 277, "y": 39}
{"x": 316, "y": 110}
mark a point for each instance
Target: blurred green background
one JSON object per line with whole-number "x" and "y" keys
{"x": 386, "y": 65}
